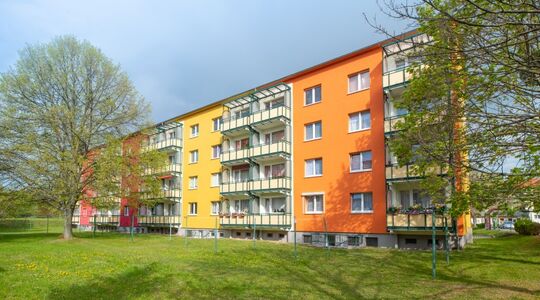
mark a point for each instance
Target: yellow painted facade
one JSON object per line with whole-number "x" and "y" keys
{"x": 205, "y": 193}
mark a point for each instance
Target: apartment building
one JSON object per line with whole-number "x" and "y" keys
{"x": 304, "y": 157}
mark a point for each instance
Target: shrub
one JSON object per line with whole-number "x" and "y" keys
{"x": 480, "y": 226}
{"x": 527, "y": 227}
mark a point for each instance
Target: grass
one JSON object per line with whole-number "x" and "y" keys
{"x": 38, "y": 265}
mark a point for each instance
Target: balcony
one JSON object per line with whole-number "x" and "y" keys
{"x": 395, "y": 172}
{"x": 270, "y": 117}
{"x": 278, "y": 148}
{"x": 233, "y": 124}
{"x": 167, "y": 169}
{"x": 175, "y": 192}
{"x": 239, "y": 187}
{"x": 417, "y": 222}
{"x": 396, "y": 78}
{"x": 259, "y": 221}
{"x": 390, "y": 123}
{"x": 235, "y": 156}
{"x": 105, "y": 219}
{"x": 173, "y": 144}
{"x": 280, "y": 184}
{"x": 75, "y": 219}
{"x": 159, "y": 220}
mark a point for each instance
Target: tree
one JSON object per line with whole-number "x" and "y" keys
{"x": 58, "y": 102}
{"x": 473, "y": 101}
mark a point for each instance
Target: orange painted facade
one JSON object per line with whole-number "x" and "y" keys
{"x": 337, "y": 182}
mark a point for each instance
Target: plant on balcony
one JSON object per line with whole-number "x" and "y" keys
{"x": 393, "y": 210}
{"x": 415, "y": 209}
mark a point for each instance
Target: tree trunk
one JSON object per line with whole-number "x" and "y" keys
{"x": 68, "y": 231}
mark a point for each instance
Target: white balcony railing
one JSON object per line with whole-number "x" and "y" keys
{"x": 163, "y": 144}
{"x": 396, "y": 77}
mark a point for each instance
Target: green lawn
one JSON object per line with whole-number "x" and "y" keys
{"x": 38, "y": 265}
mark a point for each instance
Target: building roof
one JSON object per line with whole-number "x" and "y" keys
{"x": 294, "y": 75}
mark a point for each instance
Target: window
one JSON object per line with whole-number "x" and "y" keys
{"x": 361, "y": 161}
{"x": 241, "y": 144}
{"x": 274, "y": 171}
{"x": 410, "y": 241}
{"x": 240, "y": 174}
{"x": 312, "y": 95}
{"x": 126, "y": 211}
{"x": 195, "y": 130}
{"x": 313, "y": 167}
{"x": 401, "y": 62}
{"x": 193, "y": 156}
{"x": 215, "y": 179}
{"x": 172, "y": 159}
{"x": 358, "y": 82}
{"x": 307, "y": 239}
{"x": 274, "y": 137}
{"x": 314, "y": 204}
{"x": 353, "y": 241}
{"x": 193, "y": 208}
{"x": 216, "y": 124}
{"x": 313, "y": 131}
{"x": 172, "y": 135}
{"x": 193, "y": 182}
{"x": 359, "y": 121}
{"x": 372, "y": 242}
{"x": 274, "y": 103}
{"x": 361, "y": 202}
{"x": 244, "y": 112}
{"x": 216, "y": 208}
{"x": 216, "y": 151}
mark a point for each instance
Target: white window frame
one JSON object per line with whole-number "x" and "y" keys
{"x": 193, "y": 208}
{"x": 212, "y": 176}
{"x": 219, "y": 121}
{"x": 312, "y": 125}
{"x": 219, "y": 152}
{"x": 212, "y": 212}
{"x": 194, "y": 130}
{"x": 359, "y": 115}
{"x": 362, "y": 210}
{"x": 126, "y": 211}
{"x": 193, "y": 182}
{"x": 359, "y": 80}
{"x": 362, "y": 169}
{"x": 313, "y": 161}
{"x": 305, "y": 200}
{"x": 194, "y": 156}
{"x": 312, "y": 89}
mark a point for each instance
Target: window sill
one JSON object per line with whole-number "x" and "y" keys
{"x": 311, "y": 104}
{"x": 360, "y": 171}
{"x": 355, "y": 92}
{"x": 313, "y": 176}
{"x": 314, "y": 213}
{"x": 195, "y": 188}
{"x": 192, "y": 163}
{"x": 213, "y": 158}
{"x": 359, "y": 130}
{"x": 362, "y": 212}
{"x": 316, "y": 139}
{"x": 192, "y": 214}
{"x": 214, "y": 186}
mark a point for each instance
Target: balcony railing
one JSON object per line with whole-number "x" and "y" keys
{"x": 256, "y": 151}
{"x": 390, "y": 123}
{"x": 417, "y": 222}
{"x": 255, "y": 117}
{"x": 279, "y": 183}
{"x": 168, "y": 143}
{"x": 235, "y": 122}
{"x": 105, "y": 219}
{"x": 396, "y": 77}
{"x": 274, "y": 220}
{"x": 233, "y": 155}
{"x": 75, "y": 219}
{"x": 235, "y": 187}
{"x": 273, "y": 113}
{"x": 395, "y": 172}
{"x": 263, "y": 150}
{"x": 256, "y": 185}
{"x": 167, "y": 169}
{"x": 175, "y": 192}
{"x": 159, "y": 220}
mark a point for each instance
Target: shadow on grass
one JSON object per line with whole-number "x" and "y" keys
{"x": 134, "y": 283}
{"x": 14, "y": 236}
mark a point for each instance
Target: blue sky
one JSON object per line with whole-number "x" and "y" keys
{"x": 184, "y": 54}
